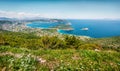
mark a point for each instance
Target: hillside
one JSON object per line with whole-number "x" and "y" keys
{"x": 28, "y": 52}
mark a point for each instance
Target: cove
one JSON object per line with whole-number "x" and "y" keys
{"x": 96, "y": 28}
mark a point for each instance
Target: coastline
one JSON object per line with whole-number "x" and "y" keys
{"x": 57, "y": 30}
{"x": 73, "y": 34}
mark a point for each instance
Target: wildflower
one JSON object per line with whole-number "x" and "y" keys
{"x": 68, "y": 64}
{"x": 41, "y": 60}
{"x": 61, "y": 60}
{"x": 97, "y": 50}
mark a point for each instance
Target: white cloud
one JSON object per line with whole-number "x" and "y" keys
{"x": 22, "y": 15}
{"x": 18, "y": 15}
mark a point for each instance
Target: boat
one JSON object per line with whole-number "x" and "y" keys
{"x": 85, "y": 29}
{"x": 68, "y": 23}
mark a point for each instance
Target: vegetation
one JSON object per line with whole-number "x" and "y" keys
{"x": 22, "y": 59}
{"x": 30, "y": 41}
{"x": 28, "y": 52}
{"x": 112, "y": 43}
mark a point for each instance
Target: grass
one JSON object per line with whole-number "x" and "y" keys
{"x": 112, "y": 43}
{"x": 58, "y": 59}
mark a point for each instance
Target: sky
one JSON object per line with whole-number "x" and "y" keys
{"x": 64, "y": 9}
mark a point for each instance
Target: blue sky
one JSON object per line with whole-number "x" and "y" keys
{"x": 72, "y": 9}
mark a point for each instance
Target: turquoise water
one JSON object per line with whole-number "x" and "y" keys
{"x": 42, "y": 24}
{"x": 96, "y": 28}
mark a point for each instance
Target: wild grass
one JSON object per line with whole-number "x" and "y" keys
{"x": 22, "y": 59}
{"x": 28, "y": 52}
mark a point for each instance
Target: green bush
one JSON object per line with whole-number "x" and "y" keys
{"x": 72, "y": 41}
{"x": 31, "y": 41}
{"x": 90, "y": 46}
{"x": 52, "y": 42}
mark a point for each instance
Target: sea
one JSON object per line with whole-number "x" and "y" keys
{"x": 90, "y": 28}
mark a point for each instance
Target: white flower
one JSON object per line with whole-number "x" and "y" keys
{"x": 97, "y": 50}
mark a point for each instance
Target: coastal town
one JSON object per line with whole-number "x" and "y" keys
{"x": 21, "y": 26}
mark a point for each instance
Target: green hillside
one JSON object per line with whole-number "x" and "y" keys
{"x": 28, "y": 52}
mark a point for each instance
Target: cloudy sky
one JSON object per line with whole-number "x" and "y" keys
{"x": 72, "y": 9}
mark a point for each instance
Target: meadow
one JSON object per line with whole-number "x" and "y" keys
{"x": 28, "y": 52}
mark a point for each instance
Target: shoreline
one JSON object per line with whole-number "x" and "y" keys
{"x": 73, "y": 34}
{"x": 57, "y": 30}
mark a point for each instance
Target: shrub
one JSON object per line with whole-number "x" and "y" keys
{"x": 51, "y": 42}
{"x": 72, "y": 42}
{"x": 90, "y": 46}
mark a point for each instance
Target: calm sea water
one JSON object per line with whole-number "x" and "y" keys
{"x": 44, "y": 25}
{"x": 96, "y": 28}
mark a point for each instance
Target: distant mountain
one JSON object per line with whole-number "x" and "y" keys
{"x": 7, "y": 19}
{"x": 30, "y": 19}
{"x": 15, "y": 19}
{"x": 4, "y": 18}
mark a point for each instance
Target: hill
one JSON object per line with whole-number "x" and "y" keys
{"x": 28, "y": 52}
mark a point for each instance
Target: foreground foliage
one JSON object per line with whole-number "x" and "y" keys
{"x": 30, "y": 41}
{"x": 22, "y": 59}
{"x": 28, "y": 52}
